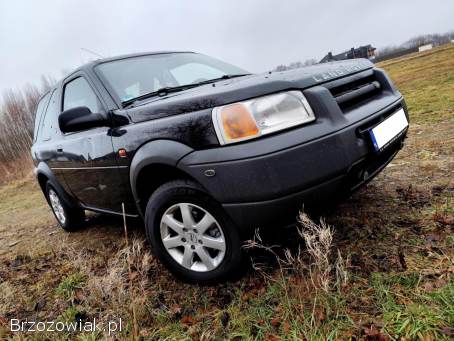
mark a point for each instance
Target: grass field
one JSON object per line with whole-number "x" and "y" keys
{"x": 391, "y": 260}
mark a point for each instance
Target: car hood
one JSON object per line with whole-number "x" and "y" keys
{"x": 242, "y": 88}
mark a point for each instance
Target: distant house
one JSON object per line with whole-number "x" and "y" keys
{"x": 425, "y": 47}
{"x": 366, "y": 51}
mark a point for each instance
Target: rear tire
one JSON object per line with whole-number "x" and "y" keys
{"x": 70, "y": 219}
{"x": 191, "y": 234}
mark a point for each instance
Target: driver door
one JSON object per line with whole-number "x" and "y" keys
{"x": 86, "y": 157}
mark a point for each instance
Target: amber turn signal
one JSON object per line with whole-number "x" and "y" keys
{"x": 238, "y": 122}
{"x": 122, "y": 153}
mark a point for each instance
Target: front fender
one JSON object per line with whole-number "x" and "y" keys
{"x": 163, "y": 152}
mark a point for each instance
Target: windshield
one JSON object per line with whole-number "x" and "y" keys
{"x": 136, "y": 76}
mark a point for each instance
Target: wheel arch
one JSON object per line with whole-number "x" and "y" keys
{"x": 45, "y": 174}
{"x": 42, "y": 180}
{"x": 154, "y": 164}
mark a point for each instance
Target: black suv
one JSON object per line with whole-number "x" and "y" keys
{"x": 205, "y": 152}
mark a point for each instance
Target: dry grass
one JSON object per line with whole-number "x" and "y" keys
{"x": 318, "y": 240}
{"x": 389, "y": 250}
{"x": 20, "y": 168}
{"x": 309, "y": 278}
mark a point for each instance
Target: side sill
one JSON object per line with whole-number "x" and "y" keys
{"x": 100, "y": 210}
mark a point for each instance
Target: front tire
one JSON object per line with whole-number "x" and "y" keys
{"x": 70, "y": 219}
{"x": 191, "y": 234}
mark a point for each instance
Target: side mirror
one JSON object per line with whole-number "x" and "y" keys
{"x": 80, "y": 118}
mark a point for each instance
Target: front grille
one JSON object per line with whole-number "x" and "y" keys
{"x": 351, "y": 92}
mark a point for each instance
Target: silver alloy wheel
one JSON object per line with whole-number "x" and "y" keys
{"x": 57, "y": 206}
{"x": 192, "y": 237}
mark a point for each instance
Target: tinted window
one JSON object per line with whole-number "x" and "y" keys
{"x": 49, "y": 125}
{"x": 39, "y": 114}
{"x": 78, "y": 93}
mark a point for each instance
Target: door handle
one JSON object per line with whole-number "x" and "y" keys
{"x": 59, "y": 149}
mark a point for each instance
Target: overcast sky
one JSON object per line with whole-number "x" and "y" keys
{"x": 45, "y": 37}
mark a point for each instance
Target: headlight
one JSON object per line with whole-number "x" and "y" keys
{"x": 260, "y": 116}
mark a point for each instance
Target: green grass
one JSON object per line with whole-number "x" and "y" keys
{"x": 68, "y": 286}
{"x": 427, "y": 82}
{"x": 413, "y": 313}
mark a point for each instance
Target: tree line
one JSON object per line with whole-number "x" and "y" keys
{"x": 17, "y": 115}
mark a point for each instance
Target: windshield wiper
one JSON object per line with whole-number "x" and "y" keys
{"x": 167, "y": 90}
{"x": 208, "y": 81}
{"x": 161, "y": 92}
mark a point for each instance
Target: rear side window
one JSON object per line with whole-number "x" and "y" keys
{"x": 49, "y": 124}
{"x": 40, "y": 109}
{"x": 78, "y": 93}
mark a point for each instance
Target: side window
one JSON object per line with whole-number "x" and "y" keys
{"x": 49, "y": 123}
{"x": 40, "y": 109}
{"x": 78, "y": 93}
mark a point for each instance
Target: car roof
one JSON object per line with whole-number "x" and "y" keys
{"x": 130, "y": 55}
{"x": 93, "y": 63}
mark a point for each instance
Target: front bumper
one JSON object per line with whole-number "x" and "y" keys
{"x": 265, "y": 182}
{"x": 284, "y": 210}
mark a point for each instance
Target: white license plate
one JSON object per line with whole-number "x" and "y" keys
{"x": 389, "y": 130}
